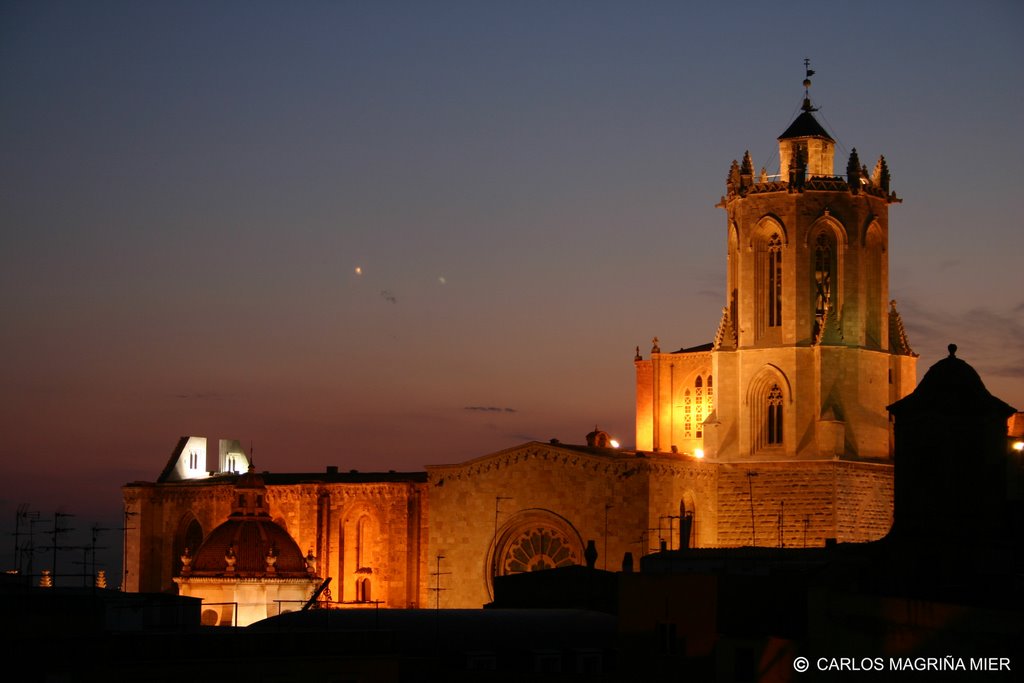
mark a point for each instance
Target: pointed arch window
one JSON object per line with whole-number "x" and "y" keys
{"x": 362, "y": 541}
{"x": 874, "y": 308}
{"x": 824, "y": 274}
{"x": 773, "y": 428}
{"x": 767, "y": 398}
{"x": 774, "y": 284}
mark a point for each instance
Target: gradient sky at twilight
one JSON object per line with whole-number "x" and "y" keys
{"x": 187, "y": 190}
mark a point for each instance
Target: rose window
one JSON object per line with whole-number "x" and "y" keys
{"x": 537, "y": 549}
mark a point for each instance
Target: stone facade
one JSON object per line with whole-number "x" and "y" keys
{"x": 488, "y": 512}
{"x": 774, "y": 434}
{"x": 366, "y": 531}
{"x": 481, "y": 509}
{"x": 808, "y": 352}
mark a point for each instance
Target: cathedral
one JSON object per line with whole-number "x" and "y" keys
{"x": 775, "y": 433}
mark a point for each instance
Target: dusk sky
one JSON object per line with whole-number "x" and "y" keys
{"x": 381, "y": 235}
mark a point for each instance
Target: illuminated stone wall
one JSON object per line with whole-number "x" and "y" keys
{"x": 542, "y": 486}
{"x": 807, "y": 326}
{"x": 565, "y": 491}
{"x": 681, "y": 485}
{"x": 553, "y": 500}
{"x": 359, "y": 533}
{"x": 814, "y": 501}
{"x": 320, "y": 516}
{"x": 158, "y": 519}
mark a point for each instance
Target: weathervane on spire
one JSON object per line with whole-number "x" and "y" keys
{"x": 807, "y": 86}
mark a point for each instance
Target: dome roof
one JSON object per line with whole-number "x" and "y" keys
{"x": 953, "y": 387}
{"x": 599, "y": 439}
{"x": 249, "y": 543}
{"x": 251, "y": 540}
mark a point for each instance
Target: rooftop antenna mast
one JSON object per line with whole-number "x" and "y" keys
{"x": 437, "y": 578}
{"x": 56, "y": 531}
{"x": 23, "y": 515}
{"x": 96, "y": 530}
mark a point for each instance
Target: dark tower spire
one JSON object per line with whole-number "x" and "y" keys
{"x": 853, "y": 171}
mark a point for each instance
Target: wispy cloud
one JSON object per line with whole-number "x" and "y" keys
{"x": 490, "y": 409}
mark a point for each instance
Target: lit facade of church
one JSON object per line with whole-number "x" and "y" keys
{"x": 775, "y": 433}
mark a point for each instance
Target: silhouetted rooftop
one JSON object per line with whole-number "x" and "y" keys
{"x": 952, "y": 386}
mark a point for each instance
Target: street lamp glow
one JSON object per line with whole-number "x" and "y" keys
{"x": 698, "y": 453}
{"x": 614, "y": 443}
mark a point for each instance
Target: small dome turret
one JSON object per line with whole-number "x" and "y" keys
{"x": 249, "y": 543}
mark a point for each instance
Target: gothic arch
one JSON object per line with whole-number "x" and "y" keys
{"x": 359, "y": 533}
{"x": 360, "y": 529}
{"x": 767, "y": 374}
{"x": 771, "y": 272}
{"x": 874, "y": 292}
{"x": 873, "y": 228}
{"x": 531, "y": 540}
{"x": 734, "y": 232}
{"x": 827, "y": 242}
{"x": 769, "y": 401}
{"x": 831, "y": 224}
{"x": 766, "y": 225}
{"x": 364, "y": 539}
{"x": 189, "y": 535}
{"x": 733, "y": 275}
{"x": 688, "y": 520}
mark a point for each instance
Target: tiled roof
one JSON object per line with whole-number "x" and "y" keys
{"x": 251, "y": 538}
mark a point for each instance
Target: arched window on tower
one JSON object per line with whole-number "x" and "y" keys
{"x": 824, "y": 273}
{"x": 766, "y": 398}
{"x": 768, "y": 283}
{"x": 874, "y": 305}
{"x": 774, "y": 299}
{"x": 773, "y": 428}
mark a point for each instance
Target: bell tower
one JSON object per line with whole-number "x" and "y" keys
{"x": 809, "y": 350}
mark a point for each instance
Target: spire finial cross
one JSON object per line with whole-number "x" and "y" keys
{"x": 808, "y": 72}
